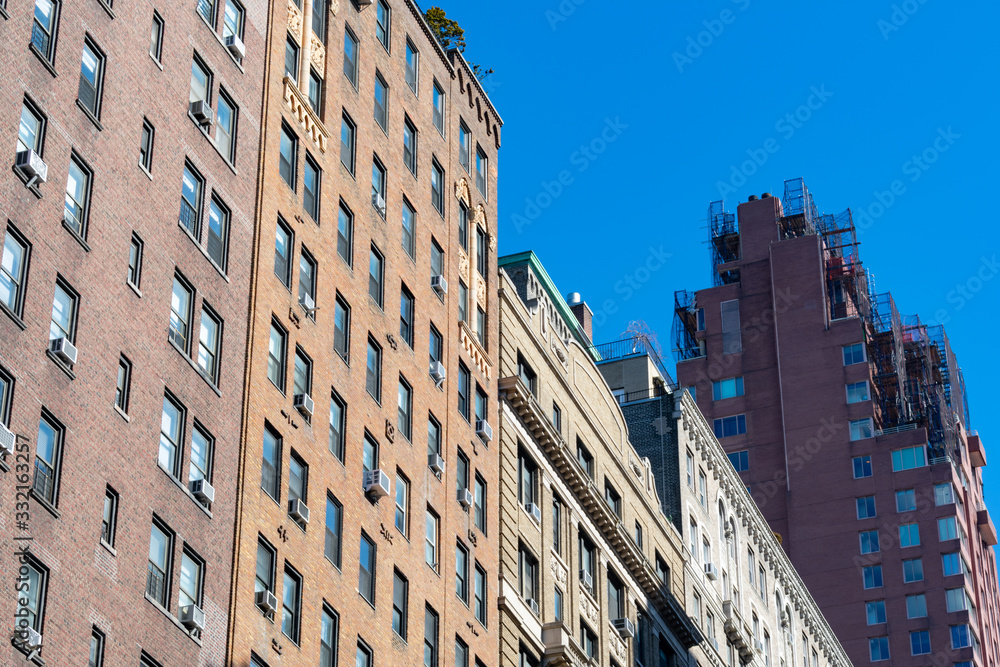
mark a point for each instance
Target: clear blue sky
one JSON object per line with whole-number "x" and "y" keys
{"x": 893, "y": 77}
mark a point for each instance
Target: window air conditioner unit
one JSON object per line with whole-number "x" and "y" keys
{"x": 465, "y": 498}
{"x": 7, "y": 440}
{"x": 534, "y": 510}
{"x": 625, "y": 627}
{"x": 376, "y": 483}
{"x": 32, "y": 641}
{"x": 379, "y": 203}
{"x": 203, "y": 491}
{"x": 192, "y": 617}
{"x": 236, "y": 46}
{"x": 308, "y": 302}
{"x": 484, "y": 430}
{"x": 266, "y": 602}
{"x": 31, "y": 165}
{"x": 437, "y": 371}
{"x": 202, "y": 112}
{"x": 298, "y": 510}
{"x": 711, "y": 572}
{"x": 62, "y": 348}
{"x": 435, "y": 463}
{"x": 363, "y": 3}
{"x": 304, "y": 404}
{"x": 587, "y": 580}
{"x": 533, "y": 606}
{"x": 758, "y": 646}
{"x": 439, "y": 284}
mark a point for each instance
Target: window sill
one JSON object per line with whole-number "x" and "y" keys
{"x": 13, "y": 316}
{"x": 202, "y": 250}
{"x": 49, "y": 507}
{"x": 76, "y": 235}
{"x": 123, "y": 414}
{"x": 172, "y": 618}
{"x": 196, "y": 368}
{"x": 110, "y": 549}
{"x": 63, "y": 367}
{"x": 156, "y": 62}
{"x": 184, "y": 488}
{"x": 134, "y": 288}
{"x": 204, "y": 132}
{"x": 31, "y": 188}
{"x": 149, "y": 175}
{"x": 41, "y": 57}
{"x": 87, "y": 112}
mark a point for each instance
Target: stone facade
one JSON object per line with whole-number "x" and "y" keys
{"x": 589, "y": 566}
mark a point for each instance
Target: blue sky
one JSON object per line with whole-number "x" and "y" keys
{"x": 673, "y": 97}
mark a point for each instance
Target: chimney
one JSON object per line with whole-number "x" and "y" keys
{"x": 582, "y": 312}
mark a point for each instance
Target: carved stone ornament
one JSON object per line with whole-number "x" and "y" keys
{"x": 390, "y": 431}
{"x": 618, "y": 648}
{"x": 558, "y": 572}
{"x": 481, "y": 292}
{"x": 588, "y": 609}
{"x": 334, "y": 6}
{"x": 493, "y": 242}
{"x": 463, "y": 265}
{"x": 295, "y": 22}
{"x": 462, "y": 192}
{"x": 318, "y": 54}
{"x": 479, "y": 217}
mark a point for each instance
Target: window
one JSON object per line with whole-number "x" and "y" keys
{"x": 156, "y": 37}
{"x": 854, "y": 354}
{"x": 762, "y": 581}
{"x": 480, "y": 603}
{"x": 218, "y": 233}
{"x": 637, "y": 535}
{"x": 616, "y": 597}
{"x": 462, "y": 573}
{"x": 913, "y": 570}
{"x": 232, "y": 20}
{"x": 462, "y": 471}
{"x": 409, "y": 236}
{"x": 479, "y": 503}
{"x": 481, "y": 252}
{"x": 482, "y": 404}
{"x": 171, "y": 436}
{"x": 366, "y": 569}
{"x": 957, "y": 599}
{"x": 527, "y": 574}
{"x": 382, "y": 24}
{"x": 481, "y": 166}
{"x": 869, "y": 541}
{"x": 264, "y": 579}
{"x": 861, "y": 429}
{"x": 225, "y": 126}
{"x": 298, "y": 478}
{"x": 351, "y": 57}
{"x": 31, "y": 602}
{"x": 906, "y": 500}
{"x": 410, "y": 146}
{"x": 276, "y": 355}
{"x": 161, "y": 546}
{"x": 31, "y": 130}
{"x": 702, "y": 488}
{"x": 378, "y": 186}
{"x": 740, "y": 460}
{"x": 952, "y": 564}
{"x": 556, "y": 418}
{"x": 43, "y": 29}
{"x": 437, "y": 187}
{"x": 109, "y": 517}
{"x": 412, "y": 61}
{"x": 909, "y": 535}
{"x": 463, "y": 145}
{"x": 872, "y": 575}
{"x": 527, "y": 478}
{"x": 146, "y": 145}
{"x": 13, "y": 270}
{"x": 430, "y": 539}
{"x": 910, "y": 457}
{"x": 364, "y": 656}
{"x": 307, "y": 282}
{"x": 201, "y": 81}
{"x": 207, "y": 10}
{"x": 588, "y": 554}
{"x": 270, "y": 462}
{"x": 192, "y": 574}
{"x": 373, "y": 378}
{"x": 947, "y": 529}
{"x": 430, "y": 637}
{"x": 334, "y": 528}
{"x": 730, "y": 388}
{"x": 406, "y": 308}
{"x": 866, "y": 507}
{"x": 439, "y": 108}
{"x": 315, "y": 94}
{"x": 920, "y": 642}
{"x": 402, "y": 503}
{"x": 134, "y": 262}
{"x": 381, "y": 108}
{"x": 731, "y": 339}
{"x": 348, "y": 132}
{"x": 96, "y": 648}
{"x": 437, "y": 260}
{"x": 944, "y": 494}
{"x": 730, "y": 426}
{"x": 916, "y": 606}
{"x": 369, "y": 455}
{"x": 341, "y": 327}
{"x": 557, "y": 603}
{"x": 960, "y": 636}
{"x": 208, "y": 344}
{"x": 433, "y": 435}
{"x": 329, "y": 632}
{"x": 338, "y": 415}
{"x": 463, "y": 301}
{"x": 404, "y": 420}
{"x": 463, "y": 390}
{"x": 302, "y": 373}
{"x": 290, "y": 602}
{"x": 77, "y": 205}
{"x": 527, "y": 375}
{"x": 585, "y": 458}
{"x": 192, "y": 187}
{"x": 857, "y": 392}
{"x": 612, "y": 498}
{"x": 588, "y": 641}
{"x": 202, "y": 455}
{"x": 91, "y": 78}
{"x": 288, "y": 155}
{"x": 400, "y": 593}
{"x": 862, "y": 466}
{"x": 291, "y": 59}
{"x": 461, "y": 653}
{"x": 875, "y": 611}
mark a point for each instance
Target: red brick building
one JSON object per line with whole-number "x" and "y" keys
{"x": 132, "y": 131}
{"x": 850, "y": 426}
{"x": 367, "y": 463}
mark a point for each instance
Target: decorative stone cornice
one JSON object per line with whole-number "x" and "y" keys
{"x": 306, "y": 117}
{"x": 471, "y": 345}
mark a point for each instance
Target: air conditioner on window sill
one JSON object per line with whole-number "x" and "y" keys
{"x": 304, "y": 404}
{"x": 192, "y": 617}
{"x": 202, "y": 112}
{"x": 236, "y": 46}
{"x": 438, "y": 372}
{"x": 435, "y": 463}
{"x": 465, "y": 498}
{"x": 484, "y": 430}
{"x": 376, "y": 483}
{"x": 31, "y": 165}
{"x": 64, "y": 350}
{"x": 266, "y": 602}
{"x": 7, "y": 441}
{"x": 625, "y": 627}
{"x": 439, "y": 284}
{"x": 203, "y": 491}
{"x": 298, "y": 511}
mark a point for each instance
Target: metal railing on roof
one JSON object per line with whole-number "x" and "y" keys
{"x": 633, "y": 347}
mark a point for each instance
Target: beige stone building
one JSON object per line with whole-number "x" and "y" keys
{"x": 591, "y": 571}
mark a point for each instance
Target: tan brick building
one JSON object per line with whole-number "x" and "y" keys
{"x": 589, "y": 566}
{"x": 364, "y": 526}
